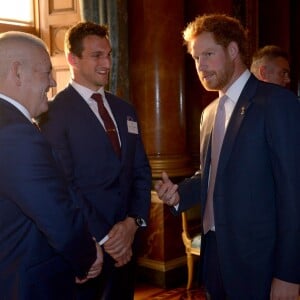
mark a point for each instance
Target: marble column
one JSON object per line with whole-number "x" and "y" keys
{"x": 156, "y": 81}
{"x": 156, "y": 68}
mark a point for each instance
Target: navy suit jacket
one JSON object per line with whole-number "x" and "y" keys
{"x": 112, "y": 188}
{"x": 257, "y": 189}
{"x": 44, "y": 239}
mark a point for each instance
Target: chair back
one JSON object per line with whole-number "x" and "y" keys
{"x": 191, "y": 221}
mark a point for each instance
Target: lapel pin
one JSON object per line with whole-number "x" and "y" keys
{"x": 243, "y": 110}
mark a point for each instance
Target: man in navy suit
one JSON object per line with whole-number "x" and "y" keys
{"x": 44, "y": 240}
{"x": 114, "y": 180}
{"x": 251, "y": 247}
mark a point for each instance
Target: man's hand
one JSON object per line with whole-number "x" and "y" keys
{"x": 96, "y": 267}
{"x": 121, "y": 237}
{"x": 282, "y": 290}
{"x": 167, "y": 190}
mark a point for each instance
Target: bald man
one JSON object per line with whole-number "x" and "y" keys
{"x": 44, "y": 240}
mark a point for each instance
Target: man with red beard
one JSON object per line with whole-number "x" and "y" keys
{"x": 248, "y": 182}
{"x": 97, "y": 137}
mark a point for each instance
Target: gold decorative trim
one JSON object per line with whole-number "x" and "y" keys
{"x": 154, "y": 198}
{"x": 162, "y": 266}
{"x": 175, "y": 166}
{"x": 58, "y": 6}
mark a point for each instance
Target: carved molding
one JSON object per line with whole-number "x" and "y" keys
{"x": 175, "y": 165}
{"x": 62, "y": 6}
{"x": 57, "y": 36}
{"x": 162, "y": 266}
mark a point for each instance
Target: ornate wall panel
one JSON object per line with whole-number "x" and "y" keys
{"x": 57, "y": 35}
{"x": 56, "y": 16}
{"x": 62, "y": 6}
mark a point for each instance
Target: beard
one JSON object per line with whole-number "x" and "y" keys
{"x": 218, "y": 79}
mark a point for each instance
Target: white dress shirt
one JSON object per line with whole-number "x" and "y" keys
{"x": 19, "y": 106}
{"x": 233, "y": 93}
{"x": 86, "y": 94}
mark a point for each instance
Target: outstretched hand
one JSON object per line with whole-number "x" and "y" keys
{"x": 167, "y": 190}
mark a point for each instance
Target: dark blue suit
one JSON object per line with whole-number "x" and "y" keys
{"x": 112, "y": 188}
{"x": 257, "y": 190}
{"x": 44, "y": 240}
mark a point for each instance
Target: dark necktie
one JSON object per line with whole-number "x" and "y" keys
{"x": 108, "y": 124}
{"x": 216, "y": 145}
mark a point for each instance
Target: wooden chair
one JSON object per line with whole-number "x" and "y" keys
{"x": 191, "y": 236}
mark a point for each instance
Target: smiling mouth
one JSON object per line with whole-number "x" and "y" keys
{"x": 103, "y": 72}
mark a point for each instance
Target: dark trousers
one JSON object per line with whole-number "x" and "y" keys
{"x": 112, "y": 284}
{"x": 211, "y": 276}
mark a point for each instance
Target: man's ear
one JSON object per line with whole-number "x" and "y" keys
{"x": 233, "y": 49}
{"x": 16, "y": 71}
{"x": 262, "y": 71}
{"x": 72, "y": 59}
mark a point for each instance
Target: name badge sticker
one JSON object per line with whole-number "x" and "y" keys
{"x": 132, "y": 127}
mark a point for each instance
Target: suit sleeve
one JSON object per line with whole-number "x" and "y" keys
{"x": 189, "y": 192}
{"x": 29, "y": 177}
{"x": 141, "y": 195}
{"x": 283, "y": 131}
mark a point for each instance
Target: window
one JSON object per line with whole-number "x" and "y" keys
{"x": 17, "y": 15}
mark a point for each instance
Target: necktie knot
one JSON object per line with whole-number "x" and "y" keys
{"x": 98, "y": 98}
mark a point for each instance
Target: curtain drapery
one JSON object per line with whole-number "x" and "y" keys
{"x": 114, "y": 14}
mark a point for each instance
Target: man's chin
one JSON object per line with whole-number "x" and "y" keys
{"x": 102, "y": 83}
{"x": 43, "y": 109}
{"x": 209, "y": 87}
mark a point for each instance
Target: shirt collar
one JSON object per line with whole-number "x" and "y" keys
{"x": 18, "y": 105}
{"x": 85, "y": 92}
{"x": 236, "y": 88}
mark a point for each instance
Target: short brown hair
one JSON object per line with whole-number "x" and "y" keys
{"x": 269, "y": 52}
{"x": 225, "y": 29}
{"x": 266, "y": 54}
{"x": 76, "y": 34}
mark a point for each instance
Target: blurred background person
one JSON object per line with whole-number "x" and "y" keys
{"x": 271, "y": 64}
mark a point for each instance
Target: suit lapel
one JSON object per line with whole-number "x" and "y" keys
{"x": 86, "y": 115}
{"x": 238, "y": 115}
{"x": 84, "y": 111}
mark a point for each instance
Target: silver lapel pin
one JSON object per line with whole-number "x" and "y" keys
{"x": 243, "y": 110}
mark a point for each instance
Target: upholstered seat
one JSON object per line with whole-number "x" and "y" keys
{"x": 191, "y": 236}
{"x": 196, "y": 243}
